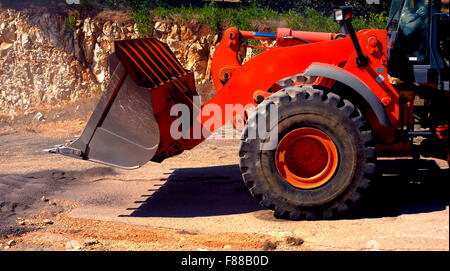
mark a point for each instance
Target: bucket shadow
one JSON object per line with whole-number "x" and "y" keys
{"x": 192, "y": 192}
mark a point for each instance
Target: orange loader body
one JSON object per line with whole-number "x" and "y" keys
{"x": 336, "y": 110}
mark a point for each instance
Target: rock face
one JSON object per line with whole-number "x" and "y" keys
{"x": 193, "y": 45}
{"x": 44, "y": 62}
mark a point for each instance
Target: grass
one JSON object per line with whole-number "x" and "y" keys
{"x": 217, "y": 17}
{"x": 315, "y": 21}
{"x": 247, "y": 18}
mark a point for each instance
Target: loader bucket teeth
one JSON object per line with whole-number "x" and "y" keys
{"x": 124, "y": 129}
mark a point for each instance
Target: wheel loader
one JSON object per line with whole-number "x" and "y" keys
{"x": 316, "y": 109}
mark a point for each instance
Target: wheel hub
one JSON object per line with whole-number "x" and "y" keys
{"x": 306, "y": 158}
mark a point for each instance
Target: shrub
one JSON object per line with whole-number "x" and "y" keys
{"x": 71, "y": 20}
{"x": 144, "y": 20}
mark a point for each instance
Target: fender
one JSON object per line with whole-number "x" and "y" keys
{"x": 348, "y": 79}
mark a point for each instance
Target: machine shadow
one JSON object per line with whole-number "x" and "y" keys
{"x": 406, "y": 187}
{"x": 206, "y": 191}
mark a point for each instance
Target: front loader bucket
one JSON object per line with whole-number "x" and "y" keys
{"x": 125, "y": 128}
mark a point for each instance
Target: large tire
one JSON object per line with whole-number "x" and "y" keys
{"x": 299, "y": 107}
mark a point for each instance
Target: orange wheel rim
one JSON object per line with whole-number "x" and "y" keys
{"x": 306, "y": 158}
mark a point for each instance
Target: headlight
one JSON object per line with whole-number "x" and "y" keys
{"x": 343, "y": 13}
{"x": 338, "y": 15}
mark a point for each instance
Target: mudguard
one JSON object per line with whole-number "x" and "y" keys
{"x": 354, "y": 83}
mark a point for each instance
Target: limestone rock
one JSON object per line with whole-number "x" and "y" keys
{"x": 43, "y": 63}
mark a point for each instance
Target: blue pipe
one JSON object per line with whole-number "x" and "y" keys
{"x": 420, "y": 133}
{"x": 265, "y": 35}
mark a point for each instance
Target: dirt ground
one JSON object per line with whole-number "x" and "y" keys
{"x": 194, "y": 201}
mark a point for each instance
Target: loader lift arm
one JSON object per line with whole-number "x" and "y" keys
{"x": 132, "y": 123}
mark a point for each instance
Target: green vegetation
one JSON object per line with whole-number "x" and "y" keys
{"x": 144, "y": 20}
{"x": 71, "y": 20}
{"x": 313, "y": 20}
{"x": 247, "y": 18}
{"x": 308, "y": 15}
{"x": 75, "y": 14}
{"x": 216, "y": 16}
